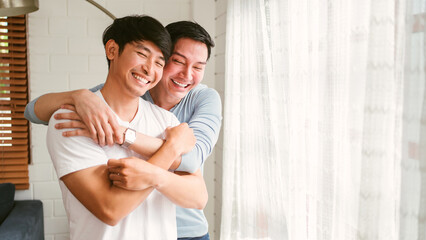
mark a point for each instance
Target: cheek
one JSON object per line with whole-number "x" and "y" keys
{"x": 198, "y": 76}
{"x": 159, "y": 74}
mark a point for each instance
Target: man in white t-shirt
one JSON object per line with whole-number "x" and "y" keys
{"x": 136, "y": 48}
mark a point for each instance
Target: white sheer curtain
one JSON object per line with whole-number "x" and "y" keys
{"x": 325, "y": 120}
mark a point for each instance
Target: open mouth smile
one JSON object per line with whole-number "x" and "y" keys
{"x": 140, "y": 79}
{"x": 180, "y": 84}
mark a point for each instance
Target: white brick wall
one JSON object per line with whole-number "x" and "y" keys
{"x": 66, "y": 53}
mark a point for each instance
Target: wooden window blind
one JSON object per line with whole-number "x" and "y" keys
{"x": 14, "y": 130}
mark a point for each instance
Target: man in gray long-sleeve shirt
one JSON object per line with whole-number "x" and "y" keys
{"x": 179, "y": 91}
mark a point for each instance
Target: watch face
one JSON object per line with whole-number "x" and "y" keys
{"x": 132, "y": 135}
{"x": 129, "y": 137}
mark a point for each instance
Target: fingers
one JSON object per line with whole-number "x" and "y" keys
{"x": 78, "y": 132}
{"x": 79, "y": 128}
{"x": 115, "y": 177}
{"x": 100, "y": 132}
{"x": 69, "y": 107}
{"x": 67, "y": 116}
{"x": 114, "y": 163}
{"x": 117, "y": 133}
{"x": 109, "y": 135}
{"x": 70, "y": 124}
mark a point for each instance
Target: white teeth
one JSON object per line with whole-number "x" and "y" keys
{"x": 140, "y": 78}
{"x": 180, "y": 84}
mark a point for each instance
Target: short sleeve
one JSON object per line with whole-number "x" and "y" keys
{"x": 30, "y": 115}
{"x": 70, "y": 154}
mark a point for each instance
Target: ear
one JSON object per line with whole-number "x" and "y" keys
{"x": 111, "y": 49}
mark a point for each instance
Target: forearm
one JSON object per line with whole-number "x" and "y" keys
{"x": 183, "y": 189}
{"x": 164, "y": 157}
{"x": 161, "y": 159}
{"x": 206, "y": 122}
{"x": 47, "y": 104}
{"x": 145, "y": 145}
{"x": 104, "y": 200}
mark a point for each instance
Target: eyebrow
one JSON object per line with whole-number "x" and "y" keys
{"x": 180, "y": 54}
{"x": 143, "y": 47}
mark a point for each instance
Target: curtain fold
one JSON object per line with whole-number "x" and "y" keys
{"x": 324, "y": 119}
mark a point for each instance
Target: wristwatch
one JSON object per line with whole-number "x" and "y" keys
{"x": 129, "y": 137}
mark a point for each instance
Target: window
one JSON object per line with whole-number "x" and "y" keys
{"x": 14, "y": 131}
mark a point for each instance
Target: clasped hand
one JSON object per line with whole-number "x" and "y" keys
{"x": 132, "y": 173}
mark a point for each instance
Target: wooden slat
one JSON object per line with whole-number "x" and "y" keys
{"x": 23, "y": 186}
{"x": 13, "y": 61}
{"x": 13, "y": 168}
{"x": 15, "y": 128}
{"x": 13, "y": 161}
{"x": 14, "y": 48}
{"x": 14, "y": 55}
{"x": 13, "y": 148}
{"x": 13, "y": 89}
{"x": 14, "y": 27}
{"x": 13, "y": 34}
{"x": 15, "y": 142}
{"x": 13, "y": 95}
{"x": 14, "y": 41}
{"x": 16, "y": 115}
{"x": 16, "y": 174}
{"x": 14, "y": 68}
{"x": 15, "y": 181}
{"x": 14, "y": 135}
{"x": 14, "y": 122}
{"x": 14, "y": 108}
{"x": 8, "y": 155}
{"x": 14, "y": 20}
{"x": 13, "y": 102}
{"x": 13, "y": 82}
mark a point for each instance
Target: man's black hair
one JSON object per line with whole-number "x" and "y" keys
{"x": 192, "y": 30}
{"x": 138, "y": 28}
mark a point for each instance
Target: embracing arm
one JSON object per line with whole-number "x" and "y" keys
{"x": 185, "y": 190}
{"x": 205, "y": 121}
{"x": 99, "y": 119}
{"x": 81, "y": 165}
{"x": 41, "y": 109}
{"x": 94, "y": 190}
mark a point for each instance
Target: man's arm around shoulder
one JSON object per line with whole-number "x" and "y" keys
{"x": 80, "y": 164}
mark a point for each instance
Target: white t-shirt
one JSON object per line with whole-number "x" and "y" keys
{"x": 155, "y": 218}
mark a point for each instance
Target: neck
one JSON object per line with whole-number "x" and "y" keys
{"x": 162, "y": 99}
{"x": 121, "y": 102}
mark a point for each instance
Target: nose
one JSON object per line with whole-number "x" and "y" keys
{"x": 187, "y": 73}
{"x": 147, "y": 67}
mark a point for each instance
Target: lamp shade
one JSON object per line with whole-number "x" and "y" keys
{"x": 17, "y": 7}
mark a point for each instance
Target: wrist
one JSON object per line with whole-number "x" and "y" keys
{"x": 172, "y": 149}
{"x": 75, "y": 95}
{"x": 129, "y": 137}
{"x": 159, "y": 178}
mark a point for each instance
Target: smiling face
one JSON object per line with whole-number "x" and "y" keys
{"x": 138, "y": 68}
{"x": 184, "y": 70}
